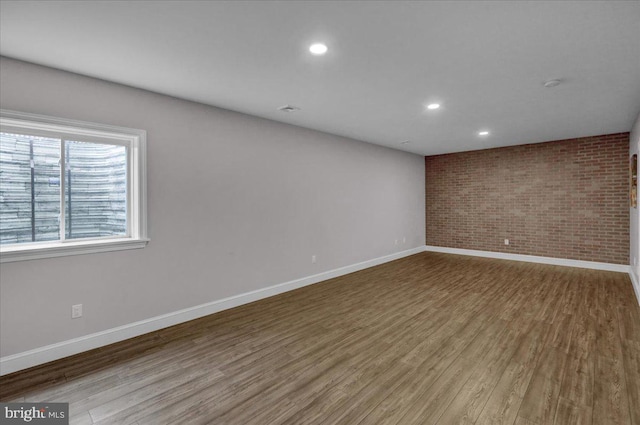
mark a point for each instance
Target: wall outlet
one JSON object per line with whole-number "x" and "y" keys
{"x": 506, "y": 241}
{"x": 76, "y": 311}
{"x": 404, "y": 239}
{"x": 313, "y": 259}
{"x": 396, "y": 242}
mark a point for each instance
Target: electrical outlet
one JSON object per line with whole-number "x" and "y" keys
{"x": 506, "y": 241}
{"x": 404, "y": 239}
{"x": 313, "y": 259}
{"x": 76, "y": 311}
{"x": 396, "y": 242}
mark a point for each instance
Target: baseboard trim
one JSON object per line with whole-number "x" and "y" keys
{"x": 635, "y": 282}
{"x": 41, "y": 355}
{"x": 532, "y": 259}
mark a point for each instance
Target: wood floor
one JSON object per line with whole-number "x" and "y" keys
{"x": 429, "y": 339}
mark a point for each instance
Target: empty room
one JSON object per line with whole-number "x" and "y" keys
{"x": 319, "y": 212}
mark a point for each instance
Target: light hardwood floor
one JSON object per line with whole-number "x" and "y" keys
{"x": 429, "y": 339}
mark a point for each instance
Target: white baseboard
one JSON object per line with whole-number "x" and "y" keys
{"x": 635, "y": 281}
{"x": 41, "y": 355}
{"x": 532, "y": 259}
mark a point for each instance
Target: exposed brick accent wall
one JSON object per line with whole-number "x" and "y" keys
{"x": 565, "y": 199}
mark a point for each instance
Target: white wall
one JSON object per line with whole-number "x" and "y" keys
{"x": 634, "y": 227}
{"x": 236, "y": 203}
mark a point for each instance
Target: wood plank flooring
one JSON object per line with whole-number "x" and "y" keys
{"x": 428, "y": 339}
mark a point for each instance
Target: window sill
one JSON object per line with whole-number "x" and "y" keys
{"x": 57, "y": 249}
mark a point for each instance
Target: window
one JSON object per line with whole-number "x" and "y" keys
{"x": 69, "y": 187}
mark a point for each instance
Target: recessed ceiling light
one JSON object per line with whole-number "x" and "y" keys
{"x": 288, "y": 108}
{"x": 552, "y": 83}
{"x": 318, "y": 49}
{"x": 433, "y": 106}
{"x": 483, "y": 133}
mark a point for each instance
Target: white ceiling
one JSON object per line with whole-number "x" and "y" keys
{"x": 485, "y": 62}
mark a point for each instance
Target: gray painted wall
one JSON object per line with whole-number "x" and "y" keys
{"x": 634, "y": 228}
{"x": 236, "y": 203}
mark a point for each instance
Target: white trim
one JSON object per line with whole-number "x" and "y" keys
{"x": 635, "y": 282}
{"x": 44, "y": 250}
{"x": 41, "y": 355}
{"x": 623, "y": 268}
{"x": 66, "y": 126}
{"x": 136, "y": 142}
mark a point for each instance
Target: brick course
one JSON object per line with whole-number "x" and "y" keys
{"x": 564, "y": 199}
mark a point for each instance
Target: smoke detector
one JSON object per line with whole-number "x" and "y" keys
{"x": 552, "y": 83}
{"x": 288, "y": 108}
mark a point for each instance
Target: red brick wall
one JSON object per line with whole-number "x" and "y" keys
{"x": 565, "y": 199}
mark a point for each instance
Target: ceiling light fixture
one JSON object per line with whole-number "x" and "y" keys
{"x": 483, "y": 133}
{"x": 288, "y": 108}
{"x": 318, "y": 49}
{"x": 552, "y": 83}
{"x": 433, "y": 106}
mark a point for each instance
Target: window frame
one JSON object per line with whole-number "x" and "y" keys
{"x": 71, "y": 130}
